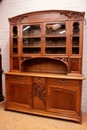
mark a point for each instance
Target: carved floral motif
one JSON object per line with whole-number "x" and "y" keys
{"x": 69, "y": 14}
{"x": 17, "y": 19}
{"x": 65, "y": 60}
{"x": 39, "y": 91}
{"x": 73, "y": 14}
{"x": 24, "y": 58}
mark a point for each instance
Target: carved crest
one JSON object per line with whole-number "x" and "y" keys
{"x": 17, "y": 19}
{"x": 71, "y": 14}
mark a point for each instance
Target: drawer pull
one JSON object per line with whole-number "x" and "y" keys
{"x": 18, "y": 77}
{"x": 39, "y": 79}
{"x": 63, "y": 81}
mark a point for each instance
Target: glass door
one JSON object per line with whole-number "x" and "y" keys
{"x": 31, "y": 39}
{"x": 75, "y": 38}
{"x": 55, "y": 38}
{"x": 15, "y": 40}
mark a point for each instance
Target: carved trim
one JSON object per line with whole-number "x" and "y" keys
{"x": 39, "y": 91}
{"x": 65, "y": 60}
{"x": 73, "y": 14}
{"x": 18, "y": 19}
{"x": 69, "y": 14}
{"x": 24, "y": 58}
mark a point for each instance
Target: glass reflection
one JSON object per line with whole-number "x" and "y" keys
{"x": 56, "y": 28}
{"x": 31, "y": 30}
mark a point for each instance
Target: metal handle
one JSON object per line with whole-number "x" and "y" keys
{"x": 18, "y": 77}
{"x": 39, "y": 79}
{"x": 63, "y": 81}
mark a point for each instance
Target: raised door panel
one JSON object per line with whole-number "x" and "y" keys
{"x": 64, "y": 99}
{"x": 75, "y": 65}
{"x": 14, "y": 64}
{"x": 19, "y": 94}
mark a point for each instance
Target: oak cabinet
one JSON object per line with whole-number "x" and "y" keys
{"x": 45, "y": 76}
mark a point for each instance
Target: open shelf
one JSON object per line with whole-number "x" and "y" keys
{"x": 44, "y": 65}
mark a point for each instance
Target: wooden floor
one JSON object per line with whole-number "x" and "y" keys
{"x": 10, "y": 120}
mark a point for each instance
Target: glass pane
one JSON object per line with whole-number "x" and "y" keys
{"x": 56, "y": 41}
{"x": 15, "y": 31}
{"x": 76, "y": 28}
{"x": 15, "y": 45}
{"x": 75, "y": 38}
{"x": 32, "y": 45}
{"x": 31, "y": 30}
{"x": 15, "y": 42}
{"x": 55, "y": 50}
{"x": 15, "y": 50}
{"x": 55, "y": 45}
{"x": 75, "y": 41}
{"x": 31, "y": 50}
{"x": 34, "y": 42}
{"x": 56, "y": 29}
{"x": 75, "y": 50}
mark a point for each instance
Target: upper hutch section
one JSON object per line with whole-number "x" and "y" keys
{"x": 51, "y": 34}
{"x": 55, "y": 29}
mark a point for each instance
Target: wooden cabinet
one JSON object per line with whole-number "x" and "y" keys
{"x": 45, "y": 75}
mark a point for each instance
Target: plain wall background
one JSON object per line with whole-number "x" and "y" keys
{"x": 10, "y": 8}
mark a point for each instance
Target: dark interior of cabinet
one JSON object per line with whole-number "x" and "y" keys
{"x": 44, "y": 65}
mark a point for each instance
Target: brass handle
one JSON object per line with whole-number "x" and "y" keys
{"x": 18, "y": 77}
{"x": 63, "y": 81}
{"x": 39, "y": 79}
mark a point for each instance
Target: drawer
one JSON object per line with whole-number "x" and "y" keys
{"x": 18, "y": 78}
{"x": 39, "y": 79}
{"x": 64, "y": 81}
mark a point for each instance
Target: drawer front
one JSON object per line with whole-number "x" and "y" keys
{"x": 39, "y": 79}
{"x": 64, "y": 81}
{"x": 18, "y": 78}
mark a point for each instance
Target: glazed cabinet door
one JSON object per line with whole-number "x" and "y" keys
{"x": 31, "y": 39}
{"x": 63, "y": 97}
{"x": 56, "y": 38}
{"x": 14, "y": 47}
{"x": 18, "y": 92}
{"x": 76, "y": 39}
{"x": 14, "y": 39}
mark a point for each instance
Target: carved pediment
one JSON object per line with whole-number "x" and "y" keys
{"x": 71, "y": 14}
{"x": 17, "y": 19}
{"x": 38, "y": 15}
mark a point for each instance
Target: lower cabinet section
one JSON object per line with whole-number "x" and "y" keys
{"x": 52, "y": 97}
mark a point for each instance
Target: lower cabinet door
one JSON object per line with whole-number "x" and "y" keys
{"x": 64, "y": 99}
{"x": 18, "y": 94}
